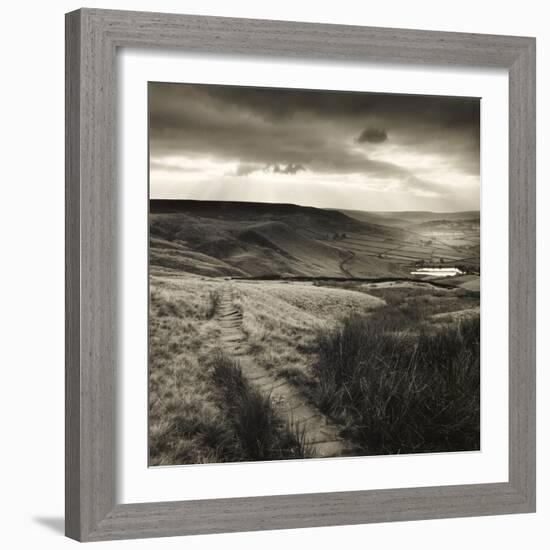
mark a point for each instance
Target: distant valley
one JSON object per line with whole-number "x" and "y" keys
{"x": 239, "y": 239}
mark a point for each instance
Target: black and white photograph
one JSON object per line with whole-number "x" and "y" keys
{"x": 270, "y": 275}
{"x": 314, "y": 267}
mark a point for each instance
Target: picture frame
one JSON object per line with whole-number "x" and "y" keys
{"x": 92, "y": 39}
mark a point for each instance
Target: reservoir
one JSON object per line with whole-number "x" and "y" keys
{"x": 437, "y": 271}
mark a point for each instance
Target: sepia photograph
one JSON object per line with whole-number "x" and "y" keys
{"x": 314, "y": 274}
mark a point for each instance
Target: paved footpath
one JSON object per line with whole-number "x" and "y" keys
{"x": 321, "y": 435}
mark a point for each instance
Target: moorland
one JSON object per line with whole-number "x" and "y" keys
{"x": 279, "y": 331}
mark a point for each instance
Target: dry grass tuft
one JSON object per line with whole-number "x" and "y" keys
{"x": 214, "y": 298}
{"x": 260, "y": 433}
{"x": 399, "y": 392}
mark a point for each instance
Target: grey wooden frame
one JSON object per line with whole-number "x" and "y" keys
{"x": 92, "y": 39}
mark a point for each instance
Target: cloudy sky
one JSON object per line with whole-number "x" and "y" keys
{"x": 327, "y": 149}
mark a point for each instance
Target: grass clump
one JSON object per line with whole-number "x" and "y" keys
{"x": 260, "y": 433}
{"x": 400, "y": 392}
{"x": 213, "y": 303}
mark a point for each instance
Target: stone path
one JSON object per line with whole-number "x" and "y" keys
{"x": 320, "y": 434}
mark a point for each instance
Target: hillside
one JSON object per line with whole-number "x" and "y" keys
{"x": 238, "y": 239}
{"x": 408, "y": 218}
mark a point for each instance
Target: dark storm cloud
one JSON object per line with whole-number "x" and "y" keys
{"x": 246, "y": 169}
{"x": 290, "y": 131}
{"x": 372, "y": 135}
{"x": 280, "y": 104}
{"x": 286, "y": 169}
{"x": 291, "y": 168}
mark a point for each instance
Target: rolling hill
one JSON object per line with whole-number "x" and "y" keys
{"x": 239, "y": 239}
{"x": 406, "y": 219}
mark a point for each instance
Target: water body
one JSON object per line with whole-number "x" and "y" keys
{"x": 437, "y": 271}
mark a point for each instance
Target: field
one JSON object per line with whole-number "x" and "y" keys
{"x": 281, "y": 332}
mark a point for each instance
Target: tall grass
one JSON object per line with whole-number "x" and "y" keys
{"x": 213, "y": 303}
{"x": 400, "y": 392}
{"x": 260, "y": 433}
